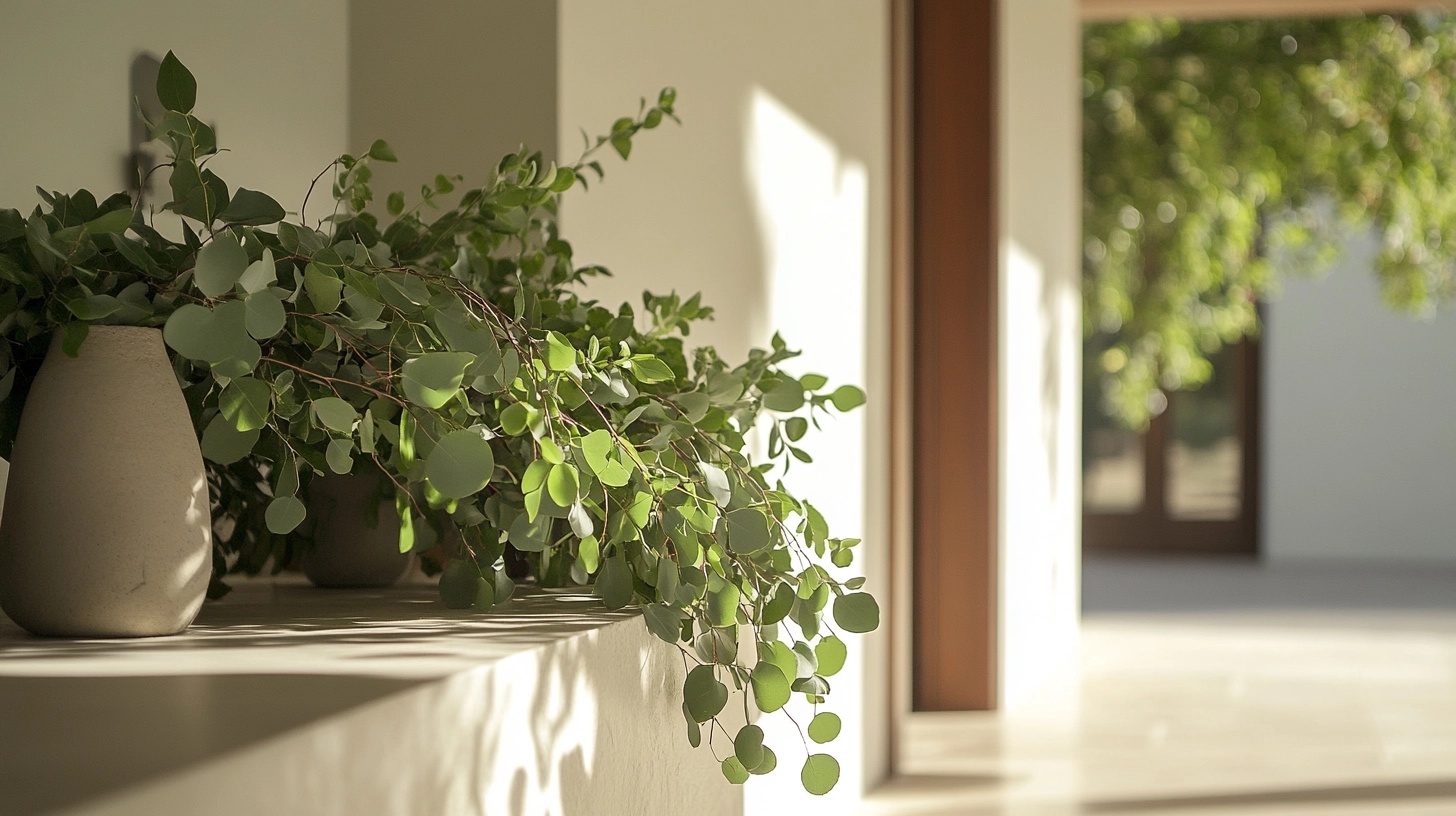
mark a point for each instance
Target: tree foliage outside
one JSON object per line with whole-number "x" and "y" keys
{"x": 1216, "y": 152}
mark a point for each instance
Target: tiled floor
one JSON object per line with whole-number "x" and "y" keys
{"x": 1221, "y": 688}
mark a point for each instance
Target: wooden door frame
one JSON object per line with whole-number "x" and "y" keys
{"x": 948, "y": 216}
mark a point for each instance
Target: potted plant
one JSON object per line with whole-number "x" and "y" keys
{"x": 451, "y": 351}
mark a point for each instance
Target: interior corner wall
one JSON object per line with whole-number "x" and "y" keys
{"x": 771, "y": 199}
{"x": 452, "y": 85}
{"x": 67, "y": 91}
{"x": 1359, "y": 448}
{"x": 1040, "y": 342}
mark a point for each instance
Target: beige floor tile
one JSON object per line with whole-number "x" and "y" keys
{"x": 1255, "y": 712}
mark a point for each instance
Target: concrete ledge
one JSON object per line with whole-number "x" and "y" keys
{"x": 285, "y": 699}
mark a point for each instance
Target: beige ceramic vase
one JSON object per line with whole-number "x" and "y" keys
{"x": 355, "y": 545}
{"x": 106, "y": 530}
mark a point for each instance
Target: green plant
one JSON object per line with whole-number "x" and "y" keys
{"x": 1208, "y": 149}
{"x": 519, "y": 422}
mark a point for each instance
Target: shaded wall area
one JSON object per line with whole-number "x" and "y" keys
{"x": 1360, "y": 447}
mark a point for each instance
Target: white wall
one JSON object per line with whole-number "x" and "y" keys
{"x": 771, "y": 199}
{"x": 1360, "y": 447}
{"x": 452, "y": 85}
{"x": 1040, "y": 211}
{"x": 270, "y": 76}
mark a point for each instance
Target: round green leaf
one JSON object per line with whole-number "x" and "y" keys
{"x": 284, "y": 514}
{"x": 814, "y": 686}
{"x": 381, "y": 151}
{"x": 230, "y": 323}
{"x": 406, "y": 523}
{"x": 664, "y": 621}
{"x": 265, "y": 315}
{"x": 176, "y": 87}
{"x": 458, "y": 583}
{"x": 614, "y": 583}
{"x": 748, "y": 746}
{"x": 615, "y": 475}
{"x": 717, "y": 482}
{"x": 767, "y": 765}
{"x": 224, "y": 444}
{"x": 795, "y": 428}
{"x": 220, "y": 264}
{"x": 324, "y": 288}
{"x": 259, "y": 273}
{"x": 582, "y": 525}
{"x": 560, "y": 355}
{"x": 190, "y": 333}
{"x": 562, "y": 483}
{"x": 770, "y": 687}
{"x": 813, "y": 382}
{"x": 824, "y": 727}
{"x": 462, "y": 332}
{"x": 433, "y": 379}
{"x": 529, "y": 535}
{"x": 695, "y": 731}
{"x": 94, "y": 307}
{"x": 246, "y": 402}
{"x": 515, "y": 419}
{"x": 716, "y": 646}
{"x": 787, "y": 396}
{"x": 847, "y": 398}
{"x": 460, "y": 465}
{"x": 778, "y": 606}
{"x": 723, "y": 605}
{"x": 485, "y": 595}
{"x": 535, "y": 476}
{"x": 340, "y": 455}
{"x": 504, "y": 588}
{"x": 748, "y": 530}
{"x": 335, "y": 414}
{"x": 805, "y": 661}
{"x": 734, "y": 771}
{"x": 651, "y": 370}
{"x": 831, "y": 653}
{"x": 589, "y": 554}
{"x": 820, "y": 774}
{"x": 703, "y": 695}
{"x": 551, "y": 452}
{"x": 596, "y": 447}
{"x": 252, "y": 208}
{"x": 667, "y": 580}
{"x": 857, "y": 612}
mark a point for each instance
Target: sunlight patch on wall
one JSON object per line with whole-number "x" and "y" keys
{"x": 1035, "y": 640}
{"x": 811, "y": 206}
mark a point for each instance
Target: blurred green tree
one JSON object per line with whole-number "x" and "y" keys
{"x": 1214, "y": 148}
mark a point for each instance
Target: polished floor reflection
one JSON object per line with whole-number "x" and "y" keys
{"x": 1221, "y": 687}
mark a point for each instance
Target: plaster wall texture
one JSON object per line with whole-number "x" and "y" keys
{"x": 451, "y": 85}
{"x": 772, "y": 200}
{"x": 1359, "y": 451}
{"x": 1040, "y": 215}
{"x": 69, "y": 106}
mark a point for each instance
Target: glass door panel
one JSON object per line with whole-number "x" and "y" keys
{"x": 1187, "y": 484}
{"x": 1205, "y": 453}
